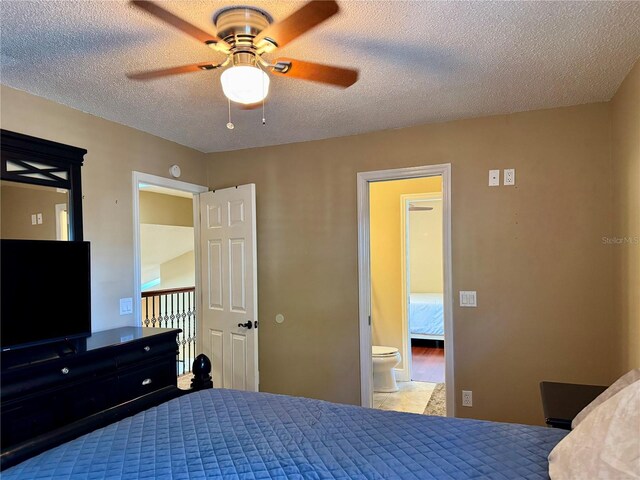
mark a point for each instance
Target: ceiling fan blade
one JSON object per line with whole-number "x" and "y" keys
{"x": 165, "y": 72}
{"x": 315, "y": 72}
{"x": 299, "y": 22}
{"x": 168, "y": 17}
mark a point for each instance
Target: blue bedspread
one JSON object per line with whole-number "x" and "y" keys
{"x": 426, "y": 313}
{"x": 232, "y": 434}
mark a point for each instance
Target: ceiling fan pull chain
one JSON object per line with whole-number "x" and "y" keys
{"x": 264, "y": 120}
{"x": 230, "y": 125}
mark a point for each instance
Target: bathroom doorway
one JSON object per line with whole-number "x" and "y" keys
{"x": 404, "y": 220}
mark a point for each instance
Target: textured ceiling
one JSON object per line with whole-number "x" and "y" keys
{"x": 420, "y": 62}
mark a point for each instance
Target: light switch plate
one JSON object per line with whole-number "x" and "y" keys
{"x": 34, "y": 219}
{"x": 468, "y": 298}
{"x": 126, "y": 306}
{"x": 509, "y": 176}
{"x": 494, "y": 178}
{"x": 39, "y": 219}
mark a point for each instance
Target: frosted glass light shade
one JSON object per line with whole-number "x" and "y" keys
{"x": 245, "y": 84}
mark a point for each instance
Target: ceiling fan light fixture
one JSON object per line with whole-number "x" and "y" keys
{"x": 245, "y": 84}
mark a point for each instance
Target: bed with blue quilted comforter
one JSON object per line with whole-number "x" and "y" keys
{"x": 426, "y": 314}
{"x": 232, "y": 434}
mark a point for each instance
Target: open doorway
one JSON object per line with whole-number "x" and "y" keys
{"x": 166, "y": 226}
{"x": 422, "y": 252}
{"x": 405, "y": 290}
{"x": 406, "y": 293}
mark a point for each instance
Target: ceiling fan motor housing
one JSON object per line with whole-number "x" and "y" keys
{"x": 244, "y": 59}
{"x": 239, "y": 25}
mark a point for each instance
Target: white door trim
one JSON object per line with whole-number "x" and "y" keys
{"x": 59, "y": 208}
{"x": 404, "y": 375}
{"x": 137, "y": 178}
{"x": 364, "y": 274}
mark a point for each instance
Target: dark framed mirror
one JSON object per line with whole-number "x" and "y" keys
{"x": 40, "y": 188}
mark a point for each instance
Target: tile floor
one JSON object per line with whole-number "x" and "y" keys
{"x": 184, "y": 381}
{"x": 412, "y": 397}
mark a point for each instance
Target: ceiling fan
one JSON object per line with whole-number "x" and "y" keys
{"x": 244, "y": 35}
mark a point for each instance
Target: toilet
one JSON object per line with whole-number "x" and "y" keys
{"x": 384, "y": 361}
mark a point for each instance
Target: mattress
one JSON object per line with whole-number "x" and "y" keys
{"x": 231, "y": 434}
{"x": 426, "y": 313}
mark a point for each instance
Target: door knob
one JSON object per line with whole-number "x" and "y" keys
{"x": 247, "y": 325}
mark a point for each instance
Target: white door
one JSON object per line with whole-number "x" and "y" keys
{"x": 230, "y": 286}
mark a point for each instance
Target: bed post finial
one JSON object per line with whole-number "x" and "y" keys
{"x": 201, "y": 373}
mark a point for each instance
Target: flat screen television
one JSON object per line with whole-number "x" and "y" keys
{"x": 46, "y": 292}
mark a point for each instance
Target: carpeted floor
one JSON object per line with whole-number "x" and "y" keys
{"x": 437, "y": 403}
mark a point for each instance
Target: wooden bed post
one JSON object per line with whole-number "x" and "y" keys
{"x": 201, "y": 373}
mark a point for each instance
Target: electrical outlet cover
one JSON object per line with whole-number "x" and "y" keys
{"x": 467, "y": 398}
{"x": 509, "y": 176}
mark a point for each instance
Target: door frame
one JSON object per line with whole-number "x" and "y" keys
{"x": 140, "y": 177}
{"x": 59, "y": 208}
{"x": 364, "y": 274}
{"x": 405, "y": 272}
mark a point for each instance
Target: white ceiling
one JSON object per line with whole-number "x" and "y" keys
{"x": 175, "y": 241}
{"x": 420, "y": 62}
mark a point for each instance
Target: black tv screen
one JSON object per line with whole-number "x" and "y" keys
{"x": 46, "y": 292}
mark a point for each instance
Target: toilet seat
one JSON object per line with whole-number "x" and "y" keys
{"x": 380, "y": 351}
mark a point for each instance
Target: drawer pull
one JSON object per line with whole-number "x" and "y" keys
{"x": 146, "y": 381}
{"x": 147, "y": 348}
{"x": 65, "y": 370}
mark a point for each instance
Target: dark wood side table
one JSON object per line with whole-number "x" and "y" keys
{"x": 561, "y": 402}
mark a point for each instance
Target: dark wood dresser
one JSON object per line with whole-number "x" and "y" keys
{"x": 44, "y": 388}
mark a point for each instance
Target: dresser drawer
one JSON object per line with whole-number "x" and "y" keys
{"x": 64, "y": 371}
{"x": 146, "y": 378}
{"x": 145, "y": 350}
{"x": 89, "y": 397}
{"x": 26, "y": 419}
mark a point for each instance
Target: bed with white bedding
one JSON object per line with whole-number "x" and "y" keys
{"x": 426, "y": 316}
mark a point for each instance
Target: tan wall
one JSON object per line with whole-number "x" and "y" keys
{"x": 626, "y": 225}
{"x": 162, "y": 209}
{"x": 19, "y": 202}
{"x": 533, "y": 252}
{"x": 425, "y": 249}
{"x": 386, "y": 259}
{"x": 178, "y": 272}
{"x": 114, "y": 151}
